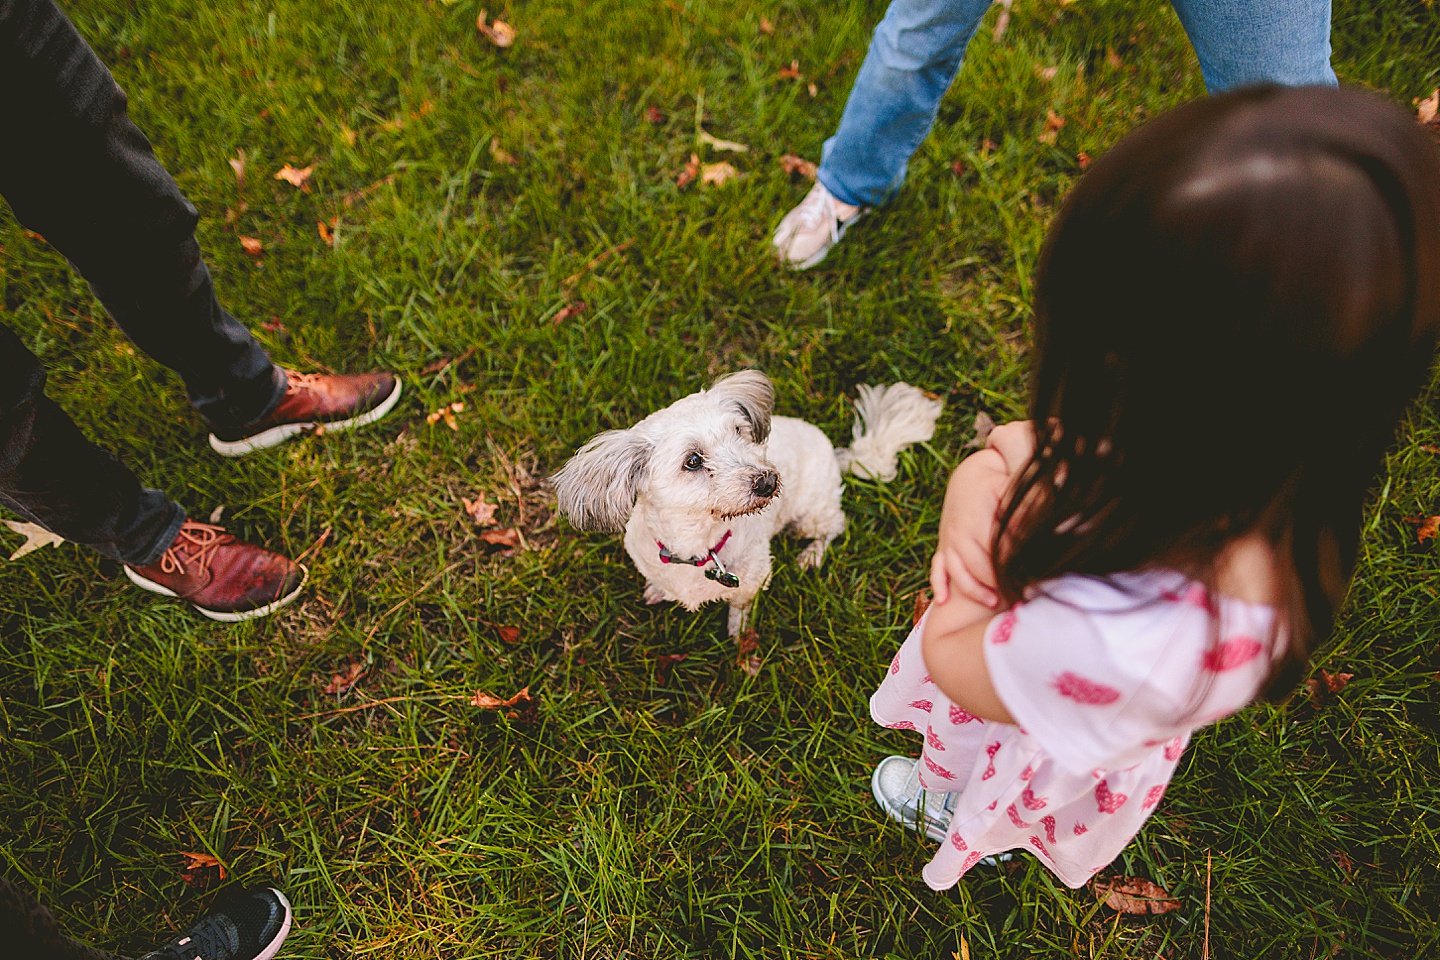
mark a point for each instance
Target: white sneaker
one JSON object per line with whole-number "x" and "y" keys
{"x": 809, "y": 231}
{"x": 896, "y": 785}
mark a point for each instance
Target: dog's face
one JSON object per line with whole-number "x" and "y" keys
{"x": 703, "y": 453}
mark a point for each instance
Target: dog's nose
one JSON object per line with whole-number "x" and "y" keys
{"x": 766, "y": 483}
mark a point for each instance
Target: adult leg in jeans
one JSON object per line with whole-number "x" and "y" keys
{"x": 914, "y": 55}
{"x": 1286, "y": 42}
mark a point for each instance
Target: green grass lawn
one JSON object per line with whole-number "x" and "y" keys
{"x": 658, "y": 802}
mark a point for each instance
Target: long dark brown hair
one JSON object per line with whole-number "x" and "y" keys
{"x": 1232, "y": 310}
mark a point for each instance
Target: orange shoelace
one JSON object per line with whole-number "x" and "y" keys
{"x": 197, "y": 543}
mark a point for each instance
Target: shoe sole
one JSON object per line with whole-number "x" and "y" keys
{"x": 820, "y": 254}
{"x": 221, "y": 615}
{"x": 277, "y": 435}
{"x": 269, "y": 952}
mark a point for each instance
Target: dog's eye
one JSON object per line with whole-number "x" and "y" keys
{"x": 694, "y": 462}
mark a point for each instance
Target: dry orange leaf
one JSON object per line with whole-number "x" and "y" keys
{"x": 568, "y": 311}
{"x": 791, "y": 72}
{"x": 510, "y": 634}
{"x": 295, "y": 177}
{"x": 447, "y": 413}
{"x": 1053, "y": 123}
{"x": 201, "y": 869}
{"x": 653, "y": 114}
{"x": 691, "y": 171}
{"x": 793, "y": 164}
{"x": 509, "y": 537}
{"x": 238, "y": 165}
{"x": 766, "y": 26}
{"x": 1427, "y": 527}
{"x": 747, "y": 655}
{"x": 500, "y": 154}
{"x": 251, "y": 245}
{"x": 346, "y": 678}
{"x": 499, "y": 33}
{"x": 1083, "y": 159}
{"x": 1428, "y": 108}
{"x": 922, "y": 603}
{"x": 487, "y": 702}
{"x": 481, "y": 512}
{"x": 325, "y": 233}
{"x": 1135, "y": 895}
{"x": 717, "y": 174}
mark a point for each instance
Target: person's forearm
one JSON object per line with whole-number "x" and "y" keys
{"x": 953, "y": 650}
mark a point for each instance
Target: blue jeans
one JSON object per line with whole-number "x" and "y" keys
{"x": 916, "y": 52}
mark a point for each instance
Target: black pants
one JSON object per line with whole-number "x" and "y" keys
{"x": 77, "y": 171}
{"x": 28, "y": 931}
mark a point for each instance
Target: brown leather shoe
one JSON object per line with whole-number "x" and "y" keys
{"x": 226, "y": 579}
{"x": 314, "y": 400}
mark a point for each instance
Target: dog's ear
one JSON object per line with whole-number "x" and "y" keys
{"x": 748, "y": 393}
{"x": 596, "y": 489}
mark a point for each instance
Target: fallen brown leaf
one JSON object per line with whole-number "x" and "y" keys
{"x": 1046, "y": 73}
{"x": 983, "y": 426}
{"x": 813, "y": 90}
{"x": 568, "y": 311}
{"x": 251, "y": 245}
{"x": 654, "y": 115}
{"x": 35, "y": 536}
{"x": 747, "y": 656}
{"x": 1113, "y": 59}
{"x": 766, "y": 27}
{"x": 1428, "y": 108}
{"x": 273, "y": 325}
{"x": 1053, "y": 123}
{"x": 987, "y": 147}
{"x": 791, "y": 72}
{"x": 1427, "y": 527}
{"x": 325, "y": 233}
{"x": 481, "y": 512}
{"x": 499, "y": 33}
{"x": 1335, "y": 682}
{"x": 500, "y": 154}
{"x": 510, "y": 634}
{"x": 958, "y": 168}
{"x": 296, "y": 178}
{"x": 1135, "y": 896}
{"x": 200, "y": 870}
{"x": 508, "y": 537}
{"x": 1083, "y": 159}
{"x": 1429, "y": 448}
{"x": 691, "y": 171}
{"x": 346, "y": 678}
{"x": 922, "y": 603}
{"x": 238, "y": 165}
{"x": 793, "y": 164}
{"x": 487, "y": 702}
{"x": 447, "y": 413}
{"x": 717, "y": 174}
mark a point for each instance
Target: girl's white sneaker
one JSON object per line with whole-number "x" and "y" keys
{"x": 809, "y": 231}
{"x": 896, "y": 785}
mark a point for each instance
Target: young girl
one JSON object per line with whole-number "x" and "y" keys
{"x": 1232, "y": 310}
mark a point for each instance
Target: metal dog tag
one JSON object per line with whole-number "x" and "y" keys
{"x": 724, "y": 578}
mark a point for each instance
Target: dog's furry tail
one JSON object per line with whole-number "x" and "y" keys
{"x": 887, "y": 420}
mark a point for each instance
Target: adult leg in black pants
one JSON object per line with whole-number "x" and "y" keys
{"x": 245, "y": 925}
{"x": 76, "y": 170}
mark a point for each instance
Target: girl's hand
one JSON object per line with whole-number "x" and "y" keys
{"x": 977, "y": 489}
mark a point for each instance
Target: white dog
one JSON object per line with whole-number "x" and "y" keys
{"x": 700, "y": 487}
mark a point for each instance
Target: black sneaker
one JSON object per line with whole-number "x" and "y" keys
{"x": 248, "y": 925}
